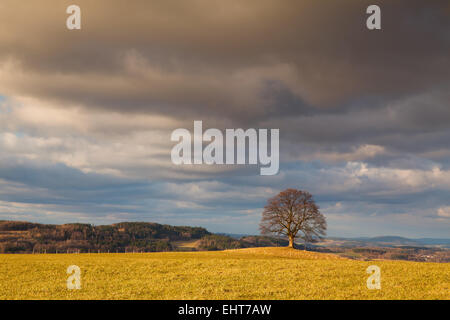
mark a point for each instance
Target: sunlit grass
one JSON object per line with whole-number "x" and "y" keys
{"x": 257, "y": 273}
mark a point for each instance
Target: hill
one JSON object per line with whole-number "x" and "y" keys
{"x": 27, "y": 237}
{"x": 390, "y": 241}
{"x": 393, "y": 240}
{"x": 252, "y": 273}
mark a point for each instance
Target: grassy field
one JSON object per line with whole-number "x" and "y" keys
{"x": 257, "y": 273}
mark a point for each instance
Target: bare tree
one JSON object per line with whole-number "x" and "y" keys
{"x": 293, "y": 213}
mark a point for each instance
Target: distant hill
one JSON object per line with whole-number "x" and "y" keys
{"x": 24, "y": 237}
{"x": 393, "y": 240}
{"x": 27, "y": 237}
{"x": 434, "y": 241}
{"x": 390, "y": 241}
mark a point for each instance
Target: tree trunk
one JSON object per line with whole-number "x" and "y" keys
{"x": 291, "y": 242}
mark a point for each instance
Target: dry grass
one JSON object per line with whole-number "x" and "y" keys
{"x": 258, "y": 273}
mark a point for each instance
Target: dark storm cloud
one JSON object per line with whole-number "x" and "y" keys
{"x": 310, "y": 68}
{"x": 214, "y": 57}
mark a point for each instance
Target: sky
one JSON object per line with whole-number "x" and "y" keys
{"x": 364, "y": 115}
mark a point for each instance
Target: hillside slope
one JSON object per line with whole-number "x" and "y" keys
{"x": 262, "y": 273}
{"x": 27, "y": 237}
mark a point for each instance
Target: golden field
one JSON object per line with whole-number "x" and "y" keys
{"x": 257, "y": 273}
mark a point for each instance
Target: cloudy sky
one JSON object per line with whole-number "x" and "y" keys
{"x": 364, "y": 116}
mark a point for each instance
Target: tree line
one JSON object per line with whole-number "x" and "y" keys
{"x": 26, "y": 237}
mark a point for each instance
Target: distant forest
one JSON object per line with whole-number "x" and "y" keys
{"x": 27, "y": 237}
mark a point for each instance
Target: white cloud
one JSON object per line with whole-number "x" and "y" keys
{"x": 444, "y": 212}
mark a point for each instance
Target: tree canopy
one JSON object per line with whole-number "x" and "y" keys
{"x": 293, "y": 213}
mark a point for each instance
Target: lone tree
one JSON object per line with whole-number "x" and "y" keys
{"x": 293, "y": 211}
